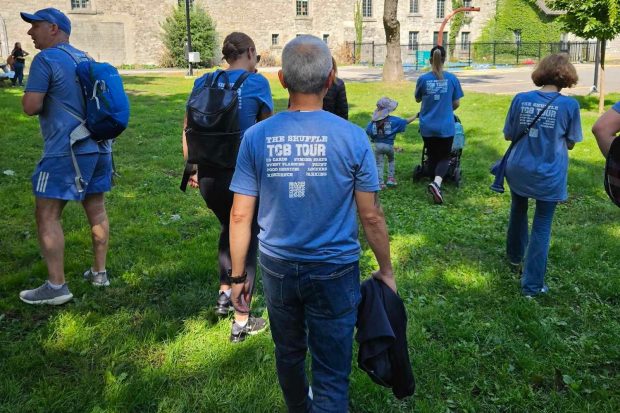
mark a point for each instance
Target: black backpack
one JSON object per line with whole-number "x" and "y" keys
{"x": 212, "y": 131}
{"x": 612, "y": 172}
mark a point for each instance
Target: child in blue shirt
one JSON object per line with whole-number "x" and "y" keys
{"x": 382, "y": 131}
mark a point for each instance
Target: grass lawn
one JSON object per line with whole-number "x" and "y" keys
{"x": 150, "y": 343}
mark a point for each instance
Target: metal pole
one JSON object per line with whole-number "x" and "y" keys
{"x": 190, "y": 72}
{"x": 494, "y": 42}
{"x": 373, "y": 52}
{"x": 518, "y": 47}
{"x": 469, "y": 53}
{"x": 597, "y": 62}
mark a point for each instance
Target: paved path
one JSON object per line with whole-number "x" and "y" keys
{"x": 501, "y": 81}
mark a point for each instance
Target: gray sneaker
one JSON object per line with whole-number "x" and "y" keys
{"x": 46, "y": 295}
{"x": 254, "y": 326}
{"x": 98, "y": 279}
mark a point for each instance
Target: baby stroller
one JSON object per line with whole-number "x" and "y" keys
{"x": 454, "y": 171}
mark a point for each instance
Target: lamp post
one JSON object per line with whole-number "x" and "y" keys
{"x": 190, "y": 71}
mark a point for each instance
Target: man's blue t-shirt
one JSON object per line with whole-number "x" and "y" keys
{"x": 384, "y": 131}
{"x": 616, "y": 107}
{"x": 53, "y": 72}
{"x": 304, "y": 167}
{"x": 538, "y": 164}
{"x": 254, "y": 95}
{"x": 437, "y": 95}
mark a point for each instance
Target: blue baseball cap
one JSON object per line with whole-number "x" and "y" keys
{"x": 50, "y": 15}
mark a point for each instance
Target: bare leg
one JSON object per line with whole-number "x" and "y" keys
{"x": 94, "y": 206}
{"x": 51, "y": 238}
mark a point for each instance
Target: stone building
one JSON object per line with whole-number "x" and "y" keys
{"x": 123, "y": 32}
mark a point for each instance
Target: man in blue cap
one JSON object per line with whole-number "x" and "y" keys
{"x": 52, "y": 93}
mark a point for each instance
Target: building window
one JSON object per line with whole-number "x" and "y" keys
{"x": 464, "y": 40}
{"x": 326, "y": 38}
{"x": 80, "y": 4}
{"x": 275, "y": 39}
{"x": 413, "y": 41}
{"x": 366, "y": 8}
{"x": 301, "y": 7}
{"x": 444, "y": 41}
{"x": 467, "y": 3}
{"x": 180, "y": 2}
{"x": 517, "y": 34}
{"x": 414, "y": 6}
{"x": 441, "y": 9}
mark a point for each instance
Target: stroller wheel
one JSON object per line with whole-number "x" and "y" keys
{"x": 457, "y": 177}
{"x": 417, "y": 173}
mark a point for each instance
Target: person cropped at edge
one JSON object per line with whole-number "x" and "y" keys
{"x": 606, "y": 128}
{"x": 255, "y": 104}
{"x": 537, "y": 167}
{"x": 19, "y": 56}
{"x": 440, "y": 93}
{"x": 52, "y": 80}
{"x": 335, "y": 100}
{"x": 308, "y": 172}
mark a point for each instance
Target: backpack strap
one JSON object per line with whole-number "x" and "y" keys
{"x": 215, "y": 82}
{"x": 81, "y": 131}
{"x": 241, "y": 79}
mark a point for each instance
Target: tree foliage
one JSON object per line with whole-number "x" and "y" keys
{"x": 590, "y": 19}
{"x": 175, "y": 36}
{"x": 522, "y": 15}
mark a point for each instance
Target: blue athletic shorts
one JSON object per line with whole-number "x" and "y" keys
{"x": 55, "y": 177}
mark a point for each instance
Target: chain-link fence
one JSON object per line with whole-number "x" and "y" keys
{"x": 416, "y": 55}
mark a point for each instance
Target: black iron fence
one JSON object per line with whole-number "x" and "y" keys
{"x": 416, "y": 55}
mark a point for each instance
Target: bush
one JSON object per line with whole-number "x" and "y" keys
{"x": 343, "y": 53}
{"x": 175, "y": 37}
{"x": 268, "y": 59}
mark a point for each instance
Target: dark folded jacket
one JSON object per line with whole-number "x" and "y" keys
{"x": 382, "y": 338}
{"x": 335, "y": 100}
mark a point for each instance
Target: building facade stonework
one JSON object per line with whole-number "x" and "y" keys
{"x": 124, "y": 32}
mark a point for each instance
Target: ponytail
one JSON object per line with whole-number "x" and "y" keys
{"x": 437, "y": 63}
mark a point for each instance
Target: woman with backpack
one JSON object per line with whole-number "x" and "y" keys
{"x": 255, "y": 103}
{"x": 544, "y": 126}
{"x": 440, "y": 93}
{"x": 19, "y": 63}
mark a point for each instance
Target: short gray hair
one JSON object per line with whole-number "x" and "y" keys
{"x": 306, "y": 64}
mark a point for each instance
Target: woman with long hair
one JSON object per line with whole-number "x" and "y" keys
{"x": 440, "y": 93}
{"x": 19, "y": 63}
{"x": 255, "y": 104}
{"x": 537, "y": 167}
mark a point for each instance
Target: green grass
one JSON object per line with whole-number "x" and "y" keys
{"x": 150, "y": 342}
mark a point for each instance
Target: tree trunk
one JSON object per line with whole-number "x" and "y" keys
{"x": 393, "y": 66}
{"x": 601, "y": 90}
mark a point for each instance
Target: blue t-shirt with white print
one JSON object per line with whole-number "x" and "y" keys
{"x": 53, "y": 72}
{"x": 437, "y": 95}
{"x": 384, "y": 131}
{"x": 254, "y": 95}
{"x": 304, "y": 167}
{"x": 616, "y": 107}
{"x": 538, "y": 164}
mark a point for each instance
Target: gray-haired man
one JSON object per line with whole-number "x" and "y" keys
{"x": 311, "y": 171}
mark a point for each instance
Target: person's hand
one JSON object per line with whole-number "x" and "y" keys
{"x": 193, "y": 180}
{"x": 240, "y": 296}
{"x": 387, "y": 279}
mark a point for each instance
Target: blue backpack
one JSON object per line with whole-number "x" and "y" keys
{"x": 106, "y": 103}
{"x": 106, "y": 106}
